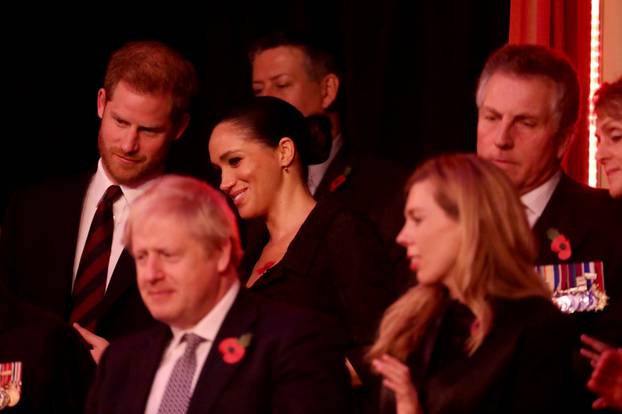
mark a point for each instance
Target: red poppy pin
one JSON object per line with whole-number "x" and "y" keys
{"x": 559, "y": 244}
{"x": 339, "y": 180}
{"x": 234, "y": 349}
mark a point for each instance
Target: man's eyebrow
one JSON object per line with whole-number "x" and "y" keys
{"x": 278, "y": 75}
{"x": 490, "y": 109}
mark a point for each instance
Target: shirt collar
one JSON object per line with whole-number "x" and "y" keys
{"x": 101, "y": 182}
{"x": 317, "y": 171}
{"x": 209, "y": 325}
{"x": 335, "y": 146}
{"x": 535, "y": 201}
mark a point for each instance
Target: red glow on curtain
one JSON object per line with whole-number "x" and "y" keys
{"x": 563, "y": 25}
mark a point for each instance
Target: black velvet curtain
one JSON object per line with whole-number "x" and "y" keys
{"x": 408, "y": 87}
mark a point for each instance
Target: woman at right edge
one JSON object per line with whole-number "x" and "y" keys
{"x": 606, "y": 379}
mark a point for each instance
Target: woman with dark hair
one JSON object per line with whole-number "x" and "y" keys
{"x": 479, "y": 333}
{"x": 314, "y": 254}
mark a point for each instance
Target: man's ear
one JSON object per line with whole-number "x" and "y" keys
{"x": 101, "y": 102}
{"x": 224, "y": 257}
{"x": 182, "y": 125}
{"x": 330, "y": 88}
{"x": 564, "y": 140}
{"x": 286, "y": 151}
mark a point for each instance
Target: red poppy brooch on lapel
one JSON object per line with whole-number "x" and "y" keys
{"x": 234, "y": 349}
{"x": 559, "y": 244}
{"x": 339, "y": 180}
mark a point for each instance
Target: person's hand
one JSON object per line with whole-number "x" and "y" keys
{"x": 397, "y": 378}
{"x": 606, "y": 379}
{"x": 594, "y": 348}
{"x": 98, "y": 343}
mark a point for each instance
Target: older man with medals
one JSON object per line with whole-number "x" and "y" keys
{"x": 528, "y": 100}
{"x": 44, "y": 366}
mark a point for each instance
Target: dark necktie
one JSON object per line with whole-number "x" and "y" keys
{"x": 90, "y": 284}
{"x": 176, "y": 398}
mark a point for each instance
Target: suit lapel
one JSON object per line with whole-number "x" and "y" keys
{"x": 72, "y": 211}
{"x": 216, "y": 373}
{"x": 68, "y": 222}
{"x": 558, "y": 216}
{"x": 340, "y": 166}
{"x": 302, "y": 250}
{"x": 123, "y": 276}
{"x": 144, "y": 365}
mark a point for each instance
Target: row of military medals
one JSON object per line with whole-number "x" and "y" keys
{"x": 585, "y": 296}
{"x": 10, "y": 384}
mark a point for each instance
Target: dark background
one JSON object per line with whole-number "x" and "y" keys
{"x": 410, "y": 73}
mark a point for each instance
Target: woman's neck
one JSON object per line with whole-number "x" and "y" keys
{"x": 450, "y": 282}
{"x": 289, "y": 212}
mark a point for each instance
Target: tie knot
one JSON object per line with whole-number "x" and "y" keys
{"x": 111, "y": 195}
{"x": 193, "y": 342}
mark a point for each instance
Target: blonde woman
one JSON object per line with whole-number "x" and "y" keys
{"x": 608, "y": 106}
{"x": 606, "y": 379}
{"x": 478, "y": 334}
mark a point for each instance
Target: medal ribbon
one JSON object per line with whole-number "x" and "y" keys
{"x": 10, "y": 372}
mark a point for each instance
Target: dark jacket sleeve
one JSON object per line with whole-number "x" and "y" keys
{"x": 95, "y": 394}
{"x": 73, "y": 373}
{"x": 57, "y": 367}
{"x": 542, "y": 376}
{"x": 310, "y": 376}
{"x": 360, "y": 269}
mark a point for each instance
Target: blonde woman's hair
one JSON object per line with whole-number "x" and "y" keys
{"x": 496, "y": 256}
{"x": 203, "y": 209}
{"x": 608, "y": 100}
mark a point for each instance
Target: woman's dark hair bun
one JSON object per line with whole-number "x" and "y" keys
{"x": 269, "y": 119}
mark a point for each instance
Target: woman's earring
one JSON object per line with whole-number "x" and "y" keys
{"x": 286, "y": 169}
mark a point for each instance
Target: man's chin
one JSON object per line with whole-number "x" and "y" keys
{"x": 616, "y": 191}
{"x": 130, "y": 177}
{"x": 506, "y": 168}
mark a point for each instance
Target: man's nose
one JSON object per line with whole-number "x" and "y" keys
{"x": 503, "y": 136}
{"x": 153, "y": 270}
{"x": 130, "y": 140}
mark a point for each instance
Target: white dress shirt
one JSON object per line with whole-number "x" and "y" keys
{"x": 120, "y": 210}
{"x": 317, "y": 171}
{"x": 206, "y": 328}
{"x": 536, "y": 200}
